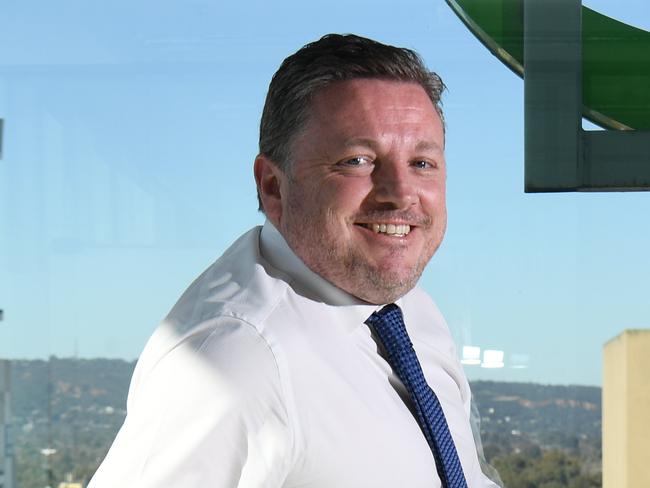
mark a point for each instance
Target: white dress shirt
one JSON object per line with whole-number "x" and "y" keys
{"x": 265, "y": 375}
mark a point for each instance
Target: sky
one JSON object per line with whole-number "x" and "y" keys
{"x": 130, "y": 132}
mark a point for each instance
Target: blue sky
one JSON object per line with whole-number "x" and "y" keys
{"x": 130, "y": 131}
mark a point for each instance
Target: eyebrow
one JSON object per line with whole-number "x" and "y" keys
{"x": 371, "y": 143}
{"x": 428, "y": 146}
{"x": 359, "y": 141}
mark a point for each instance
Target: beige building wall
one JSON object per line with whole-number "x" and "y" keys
{"x": 626, "y": 410}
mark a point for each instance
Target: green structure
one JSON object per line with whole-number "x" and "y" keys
{"x": 575, "y": 63}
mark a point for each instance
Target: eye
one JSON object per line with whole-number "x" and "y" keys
{"x": 424, "y": 164}
{"x": 355, "y": 162}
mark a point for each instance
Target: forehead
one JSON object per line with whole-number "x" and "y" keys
{"x": 373, "y": 105}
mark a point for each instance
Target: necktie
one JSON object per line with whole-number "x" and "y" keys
{"x": 389, "y": 326}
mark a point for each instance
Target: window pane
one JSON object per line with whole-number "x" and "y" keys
{"x": 129, "y": 135}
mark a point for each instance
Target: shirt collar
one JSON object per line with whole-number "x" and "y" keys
{"x": 275, "y": 250}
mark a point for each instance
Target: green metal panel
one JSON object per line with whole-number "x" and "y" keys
{"x": 553, "y": 144}
{"x": 499, "y": 25}
{"x": 615, "y": 58}
{"x": 575, "y": 62}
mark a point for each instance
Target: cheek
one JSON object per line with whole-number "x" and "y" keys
{"x": 435, "y": 198}
{"x": 342, "y": 198}
{"x": 434, "y": 204}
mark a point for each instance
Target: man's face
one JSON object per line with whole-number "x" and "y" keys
{"x": 363, "y": 202}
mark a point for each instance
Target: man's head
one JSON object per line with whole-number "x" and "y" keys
{"x": 351, "y": 167}
{"x": 332, "y": 58}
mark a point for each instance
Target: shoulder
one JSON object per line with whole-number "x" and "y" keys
{"x": 239, "y": 284}
{"x": 226, "y": 356}
{"x": 217, "y": 326}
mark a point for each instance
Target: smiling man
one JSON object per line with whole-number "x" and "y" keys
{"x": 306, "y": 356}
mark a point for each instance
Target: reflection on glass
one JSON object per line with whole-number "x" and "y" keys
{"x": 492, "y": 358}
{"x": 471, "y": 355}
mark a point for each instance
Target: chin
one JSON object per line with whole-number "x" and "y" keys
{"x": 380, "y": 288}
{"x": 381, "y": 297}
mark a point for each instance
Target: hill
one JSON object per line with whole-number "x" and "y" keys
{"x": 76, "y": 406}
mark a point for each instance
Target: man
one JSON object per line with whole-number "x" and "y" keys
{"x": 283, "y": 364}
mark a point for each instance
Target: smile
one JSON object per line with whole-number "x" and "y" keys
{"x": 397, "y": 230}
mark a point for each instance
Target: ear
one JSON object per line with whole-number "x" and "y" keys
{"x": 269, "y": 178}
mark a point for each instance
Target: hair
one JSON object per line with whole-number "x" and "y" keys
{"x": 333, "y": 58}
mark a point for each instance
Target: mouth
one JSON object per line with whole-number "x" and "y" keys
{"x": 396, "y": 230}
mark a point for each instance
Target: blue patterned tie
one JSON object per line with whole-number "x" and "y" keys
{"x": 389, "y": 326}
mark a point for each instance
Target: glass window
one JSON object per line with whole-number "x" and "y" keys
{"x": 129, "y": 135}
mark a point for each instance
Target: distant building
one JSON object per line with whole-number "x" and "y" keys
{"x": 626, "y": 410}
{"x": 69, "y": 483}
{"x": 7, "y": 474}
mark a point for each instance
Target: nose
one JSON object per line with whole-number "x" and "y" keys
{"x": 393, "y": 184}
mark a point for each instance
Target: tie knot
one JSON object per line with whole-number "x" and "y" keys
{"x": 390, "y": 312}
{"x": 389, "y": 326}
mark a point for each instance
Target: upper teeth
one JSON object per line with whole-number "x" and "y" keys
{"x": 399, "y": 229}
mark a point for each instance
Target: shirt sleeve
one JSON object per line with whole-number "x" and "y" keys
{"x": 209, "y": 412}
